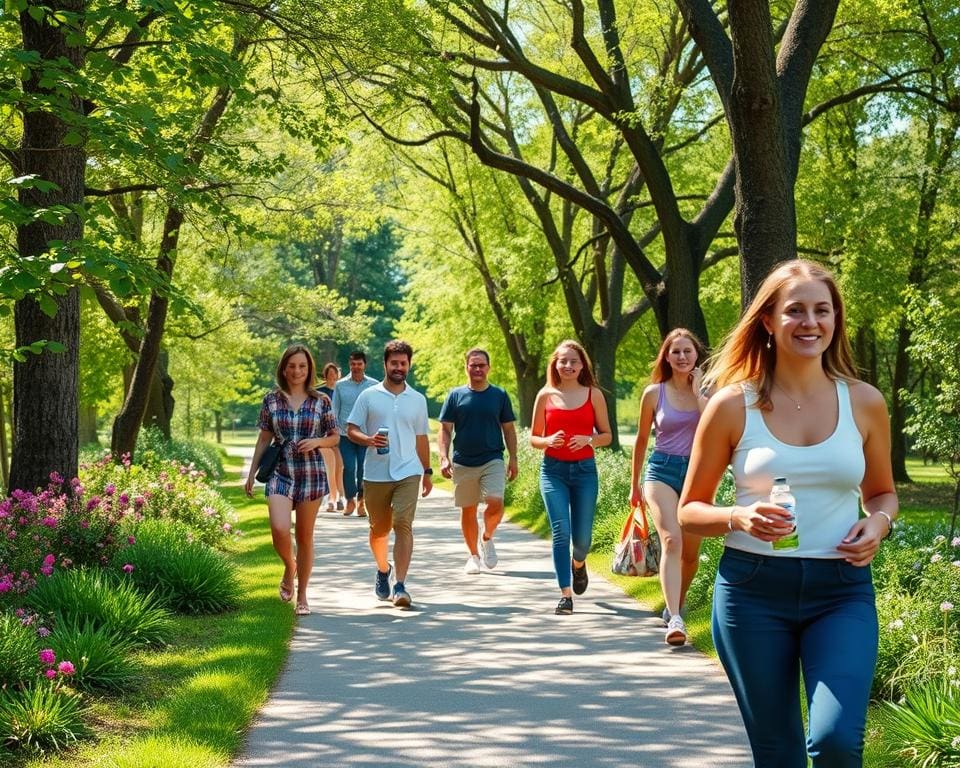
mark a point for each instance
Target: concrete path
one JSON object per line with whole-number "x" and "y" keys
{"x": 480, "y": 672}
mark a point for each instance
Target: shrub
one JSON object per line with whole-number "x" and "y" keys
{"x": 92, "y": 594}
{"x": 923, "y": 728}
{"x": 185, "y": 576}
{"x": 164, "y": 490}
{"x": 153, "y": 447}
{"x": 41, "y": 718}
{"x": 100, "y": 657}
{"x": 18, "y": 651}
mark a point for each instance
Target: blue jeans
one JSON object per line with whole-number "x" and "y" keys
{"x": 569, "y": 490}
{"x": 668, "y": 469}
{"x": 353, "y": 456}
{"x": 775, "y": 617}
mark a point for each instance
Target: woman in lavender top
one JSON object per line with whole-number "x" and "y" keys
{"x": 672, "y": 406}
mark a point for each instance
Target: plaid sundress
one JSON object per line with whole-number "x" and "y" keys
{"x": 299, "y": 477}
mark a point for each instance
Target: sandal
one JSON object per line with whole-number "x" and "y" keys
{"x": 286, "y": 592}
{"x": 302, "y": 609}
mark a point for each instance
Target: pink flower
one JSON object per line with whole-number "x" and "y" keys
{"x": 66, "y": 668}
{"x": 50, "y": 673}
{"x": 128, "y": 568}
{"x": 47, "y": 656}
{"x": 49, "y": 522}
{"x": 131, "y": 540}
{"x": 49, "y": 559}
{"x": 946, "y": 607}
{"x": 110, "y": 489}
{"x": 56, "y": 478}
{"x": 43, "y": 632}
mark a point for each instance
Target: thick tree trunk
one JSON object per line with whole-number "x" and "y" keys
{"x": 898, "y": 408}
{"x": 45, "y": 385}
{"x": 88, "y": 425}
{"x": 160, "y": 402}
{"x": 4, "y": 452}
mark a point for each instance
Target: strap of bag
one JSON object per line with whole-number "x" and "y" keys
{"x": 640, "y": 515}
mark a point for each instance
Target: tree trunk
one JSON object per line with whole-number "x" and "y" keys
{"x": 898, "y": 408}
{"x": 218, "y": 425}
{"x": 88, "y": 426}
{"x": 4, "y": 460}
{"x": 160, "y": 402}
{"x": 45, "y": 385}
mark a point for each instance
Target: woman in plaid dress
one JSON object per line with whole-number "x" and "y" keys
{"x": 300, "y": 416}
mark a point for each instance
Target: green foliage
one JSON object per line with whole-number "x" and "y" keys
{"x": 42, "y": 718}
{"x": 923, "y": 729}
{"x": 18, "y": 651}
{"x": 185, "y": 576}
{"x": 101, "y": 657}
{"x": 89, "y": 594}
{"x": 154, "y": 449}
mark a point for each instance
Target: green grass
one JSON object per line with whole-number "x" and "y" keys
{"x": 198, "y": 695}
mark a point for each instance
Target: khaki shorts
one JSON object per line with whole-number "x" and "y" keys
{"x": 471, "y": 485}
{"x": 391, "y": 504}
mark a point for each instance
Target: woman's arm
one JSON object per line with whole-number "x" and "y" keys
{"x": 538, "y": 438}
{"x": 648, "y": 403}
{"x": 263, "y": 440}
{"x": 602, "y": 435}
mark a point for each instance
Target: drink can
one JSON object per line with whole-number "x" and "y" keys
{"x": 385, "y": 431}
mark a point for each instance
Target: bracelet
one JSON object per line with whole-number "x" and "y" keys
{"x": 889, "y": 517}
{"x": 730, "y": 521}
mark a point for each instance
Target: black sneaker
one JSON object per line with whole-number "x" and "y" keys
{"x": 401, "y": 598}
{"x": 580, "y": 579}
{"x": 382, "y": 587}
{"x": 565, "y": 606}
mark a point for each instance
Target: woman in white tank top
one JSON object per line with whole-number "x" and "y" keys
{"x": 789, "y": 405}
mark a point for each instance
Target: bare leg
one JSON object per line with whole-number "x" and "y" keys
{"x": 306, "y": 520}
{"x": 379, "y": 546}
{"x": 279, "y": 509}
{"x": 663, "y": 500}
{"x": 689, "y": 563}
{"x": 492, "y": 515}
{"x": 402, "y": 550}
{"x": 470, "y": 528}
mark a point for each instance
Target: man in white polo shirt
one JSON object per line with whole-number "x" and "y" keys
{"x": 391, "y": 480}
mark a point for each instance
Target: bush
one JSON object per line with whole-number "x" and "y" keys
{"x": 923, "y": 728}
{"x": 100, "y": 657}
{"x": 185, "y": 576}
{"x": 41, "y": 718}
{"x": 161, "y": 490}
{"x": 18, "y": 651}
{"x": 90, "y": 594}
{"x": 153, "y": 448}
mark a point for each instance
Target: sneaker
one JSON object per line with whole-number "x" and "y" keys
{"x": 401, "y": 598}
{"x": 339, "y": 505}
{"x": 665, "y": 616}
{"x": 473, "y": 567}
{"x": 580, "y": 579}
{"x": 564, "y": 607}
{"x": 676, "y": 631}
{"x": 488, "y": 552}
{"x": 382, "y": 587}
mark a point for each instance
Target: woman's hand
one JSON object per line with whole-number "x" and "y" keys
{"x": 696, "y": 379}
{"x": 636, "y": 497}
{"x": 308, "y": 445}
{"x": 556, "y": 440}
{"x": 763, "y": 520}
{"x": 579, "y": 442}
{"x": 861, "y": 543}
{"x": 248, "y": 486}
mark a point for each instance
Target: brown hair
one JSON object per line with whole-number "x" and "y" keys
{"x": 744, "y": 357}
{"x": 327, "y": 367}
{"x": 397, "y": 347}
{"x": 297, "y": 349}
{"x": 662, "y": 371}
{"x": 476, "y": 351}
{"x": 586, "y": 377}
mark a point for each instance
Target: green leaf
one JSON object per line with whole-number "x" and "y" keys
{"x": 36, "y": 12}
{"x": 47, "y": 305}
{"x": 56, "y": 346}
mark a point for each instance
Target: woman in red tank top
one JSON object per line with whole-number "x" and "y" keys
{"x": 569, "y": 420}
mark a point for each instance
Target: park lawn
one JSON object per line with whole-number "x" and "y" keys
{"x": 198, "y": 695}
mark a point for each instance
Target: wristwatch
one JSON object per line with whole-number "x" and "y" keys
{"x": 428, "y": 471}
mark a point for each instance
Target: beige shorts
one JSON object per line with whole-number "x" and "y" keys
{"x": 391, "y": 504}
{"x": 471, "y": 485}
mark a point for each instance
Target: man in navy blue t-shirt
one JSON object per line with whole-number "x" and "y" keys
{"x": 480, "y": 419}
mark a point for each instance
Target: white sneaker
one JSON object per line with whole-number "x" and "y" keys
{"x": 472, "y": 568}
{"x": 665, "y": 616}
{"x": 488, "y": 551}
{"x": 676, "y": 631}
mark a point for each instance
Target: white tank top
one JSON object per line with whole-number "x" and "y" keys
{"x": 824, "y": 478}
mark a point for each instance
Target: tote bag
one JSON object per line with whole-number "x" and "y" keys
{"x": 638, "y": 551}
{"x": 268, "y": 462}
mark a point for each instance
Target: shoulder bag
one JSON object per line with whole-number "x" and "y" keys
{"x": 638, "y": 551}
{"x": 269, "y": 460}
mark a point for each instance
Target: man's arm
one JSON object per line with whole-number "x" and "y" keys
{"x": 423, "y": 453}
{"x": 443, "y": 448}
{"x": 510, "y": 438}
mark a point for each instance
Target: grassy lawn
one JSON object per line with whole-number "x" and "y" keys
{"x": 198, "y": 695}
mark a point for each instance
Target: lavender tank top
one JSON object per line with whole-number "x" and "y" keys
{"x": 674, "y": 429}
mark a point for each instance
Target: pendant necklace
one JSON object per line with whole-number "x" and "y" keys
{"x": 796, "y": 403}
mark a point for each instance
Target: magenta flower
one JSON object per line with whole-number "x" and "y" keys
{"x": 128, "y": 568}
{"x": 66, "y": 668}
{"x": 47, "y": 656}
{"x": 49, "y": 522}
{"x": 56, "y": 478}
{"x": 49, "y": 559}
{"x": 131, "y": 540}
{"x": 43, "y": 632}
{"x": 50, "y": 673}
{"x": 110, "y": 489}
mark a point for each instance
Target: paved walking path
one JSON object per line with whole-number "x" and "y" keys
{"x": 481, "y": 673}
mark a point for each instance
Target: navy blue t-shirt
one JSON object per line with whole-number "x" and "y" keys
{"x": 476, "y": 418}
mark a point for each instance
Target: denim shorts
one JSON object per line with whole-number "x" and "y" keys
{"x": 668, "y": 469}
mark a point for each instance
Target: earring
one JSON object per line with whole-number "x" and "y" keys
{"x": 769, "y": 340}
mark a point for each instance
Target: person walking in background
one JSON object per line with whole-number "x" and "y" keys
{"x": 331, "y": 456}
{"x": 300, "y": 417}
{"x": 392, "y": 418}
{"x": 479, "y": 416}
{"x": 352, "y": 454}
{"x": 793, "y": 592}
{"x": 672, "y": 405}
{"x": 569, "y": 420}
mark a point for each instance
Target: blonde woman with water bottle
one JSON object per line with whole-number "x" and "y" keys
{"x": 789, "y": 411}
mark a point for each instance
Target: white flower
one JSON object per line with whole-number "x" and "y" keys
{"x": 916, "y": 640}
{"x": 896, "y": 624}
{"x": 936, "y": 558}
{"x": 946, "y": 607}
{"x": 956, "y": 742}
{"x": 951, "y": 672}
{"x": 955, "y": 542}
{"x": 939, "y": 539}
{"x": 955, "y": 563}
{"x": 705, "y": 558}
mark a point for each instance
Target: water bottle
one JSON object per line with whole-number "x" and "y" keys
{"x": 385, "y": 449}
{"x": 781, "y": 496}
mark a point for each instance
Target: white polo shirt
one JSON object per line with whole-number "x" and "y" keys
{"x": 405, "y": 415}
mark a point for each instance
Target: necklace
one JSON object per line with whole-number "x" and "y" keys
{"x": 795, "y": 402}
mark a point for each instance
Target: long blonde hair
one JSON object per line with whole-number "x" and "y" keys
{"x": 744, "y": 355}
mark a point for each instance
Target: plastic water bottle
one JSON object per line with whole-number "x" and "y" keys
{"x": 385, "y": 449}
{"x": 781, "y": 496}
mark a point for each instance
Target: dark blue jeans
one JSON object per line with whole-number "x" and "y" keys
{"x": 777, "y": 617}
{"x": 569, "y": 490}
{"x": 353, "y": 456}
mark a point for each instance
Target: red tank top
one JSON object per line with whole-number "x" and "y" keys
{"x": 573, "y": 421}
